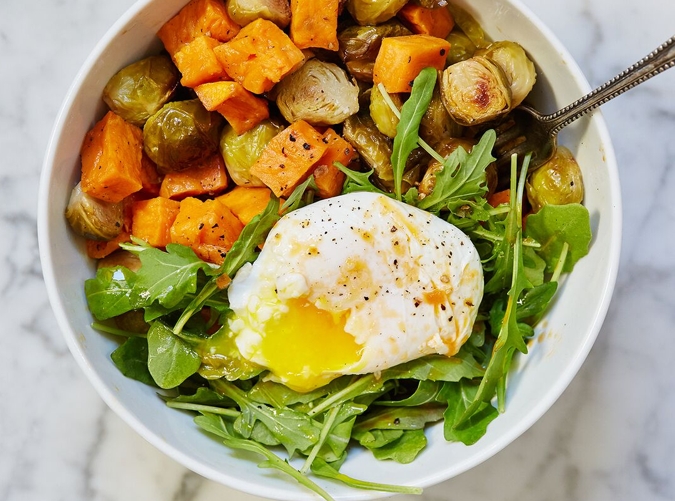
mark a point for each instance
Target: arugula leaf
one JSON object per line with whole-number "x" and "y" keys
{"x": 535, "y": 301}
{"x": 341, "y": 432}
{"x": 407, "y": 130}
{"x": 204, "y": 396}
{"x": 436, "y": 368}
{"x": 463, "y": 175}
{"x": 325, "y": 430}
{"x": 131, "y": 358}
{"x": 534, "y": 266}
{"x": 555, "y": 225}
{"x": 427, "y": 391}
{"x": 459, "y": 396}
{"x": 373, "y": 439}
{"x": 109, "y": 294}
{"x": 215, "y": 425}
{"x": 510, "y": 338}
{"x": 322, "y": 469}
{"x": 168, "y": 276}
{"x": 171, "y": 360}
{"x": 293, "y": 429}
{"x": 398, "y": 418}
{"x": 295, "y": 200}
{"x": 279, "y": 395}
{"x": 403, "y": 450}
{"x": 358, "y": 181}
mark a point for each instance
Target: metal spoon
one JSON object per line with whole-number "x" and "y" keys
{"x": 526, "y": 130}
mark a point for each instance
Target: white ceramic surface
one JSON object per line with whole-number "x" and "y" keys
{"x": 571, "y": 325}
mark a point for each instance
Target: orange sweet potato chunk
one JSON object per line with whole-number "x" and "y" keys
{"x": 198, "y": 18}
{"x": 111, "y": 159}
{"x": 289, "y": 158}
{"x": 209, "y": 228}
{"x": 329, "y": 179}
{"x": 206, "y": 178}
{"x": 435, "y": 22}
{"x": 198, "y": 63}
{"x": 151, "y": 180}
{"x": 240, "y": 108}
{"x": 152, "y": 220}
{"x": 259, "y": 56}
{"x": 246, "y": 203}
{"x": 97, "y": 249}
{"x": 314, "y": 24}
{"x": 401, "y": 59}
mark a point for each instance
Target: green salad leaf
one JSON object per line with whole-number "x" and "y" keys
{"x": 358, "y": 181}
{"x": 322, "y": 469}
{"x": 436, "y": 368}
{"x": 555, "y": 225}
{"x": 170, "y": 359}
{"x": 399, "y": 418}
{"x": 460, "y": 396}
{"x": 404, "y": 449}
{"x": 407, "y": 130}
{"x": 427, "y": 392}
{"x": 109, "y": 294}
{"x": 131, "y": 358}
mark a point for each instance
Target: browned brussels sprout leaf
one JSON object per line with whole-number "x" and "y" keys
{"x": 138, "y": 91}
{"x": 93, "y": 218}
{"x": 373, "y": 146}
{"x": 181, "y": 134}
{"x": 517, "y": 67}
{"x": 461, "y": 47}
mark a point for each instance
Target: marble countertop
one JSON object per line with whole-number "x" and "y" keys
{"x": 610, "y": 436}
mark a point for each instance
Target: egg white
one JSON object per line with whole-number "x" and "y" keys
{"x": 406, "y": 283}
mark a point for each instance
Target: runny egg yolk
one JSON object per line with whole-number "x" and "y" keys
{"x": 303, "y": 346}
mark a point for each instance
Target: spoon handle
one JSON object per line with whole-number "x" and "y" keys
{"x": 661, "y": 59}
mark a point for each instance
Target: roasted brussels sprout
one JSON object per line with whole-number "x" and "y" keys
{"x": 319, "y": 93}
{"x": 437, "y": 124}
{"x": 120, "y": 258}
{"x": 431, "y": 4}
{"x": 374, "y": 11}
{"x": 373, "y": 146}
{"x": 93, "y": 218}
{"x": 138, "y": 91}
{"x": 359, "y": 46}
{"x": 382, "y": 115}
{"x": 517, "y": 67}
{"x": 414, "y": 167}
{"x": 444, "y": 148}
{"x": 557, "y": 182}
{"x": 181, "y": 134}
{"x": 468, "y": 24}
{"x": 461, "y": 47}
{"x": 475, "y": 91}
{"x": 243, "y": 12}
{"x": 240, "y": 152}
{"x": 132, "y": 321}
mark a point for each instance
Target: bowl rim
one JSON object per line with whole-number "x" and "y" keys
{"x": 221, "y": 477}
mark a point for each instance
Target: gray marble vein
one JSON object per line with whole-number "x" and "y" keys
{"x": 611, "y": 435}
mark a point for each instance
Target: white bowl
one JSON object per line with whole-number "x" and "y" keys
{"x": 571, "y": 326}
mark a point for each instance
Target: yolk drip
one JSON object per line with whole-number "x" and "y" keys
{"x": 306, "y": 345}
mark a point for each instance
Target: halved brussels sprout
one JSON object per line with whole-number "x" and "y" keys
{"x": 374, "y": 11}
{"x": 444, "y": 148}
{"x": 557, "y": 182}
{"x": 181, "y": 134}
{"x": 138, "y": 91}
{"x": 319, "y": 93}
{"x": 243, "y": 12}
{"x": 359, "y": 46}
{"x": 384, "y": 119}
{"x": 437, "y": 124}
{"x": 468, "y": 24}
{"x": 93, "y": 218}
{"x": 240, "y": 152}
{"x": 461, "y": 47}
{"x": 373, "y": 146}
{"x": 517, "y": 67}
{"x": 475, "y": 91}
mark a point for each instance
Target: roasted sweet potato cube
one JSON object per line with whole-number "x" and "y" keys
{"x": 329, "y": 179}
{"x": 436, "y": 22}
{"x": 206, "y": 178}
{"x": 208, "y": 227}
{"x": 150, "y": 178}
{"x": 153, "y": 219}
{"x": 314, "y": 24}
{"x": 111, "y": 159}
{"x": 198, "y": 63}
{"x": 401, "y": 59}
{"x": 289, "y": 158}
{"x": 198, "y": 18}
{"x": 97, "y": 249}
{"x": 259, "y": 56}
{"x": 246, "y": 203}
{"x": 240, "y": 108}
